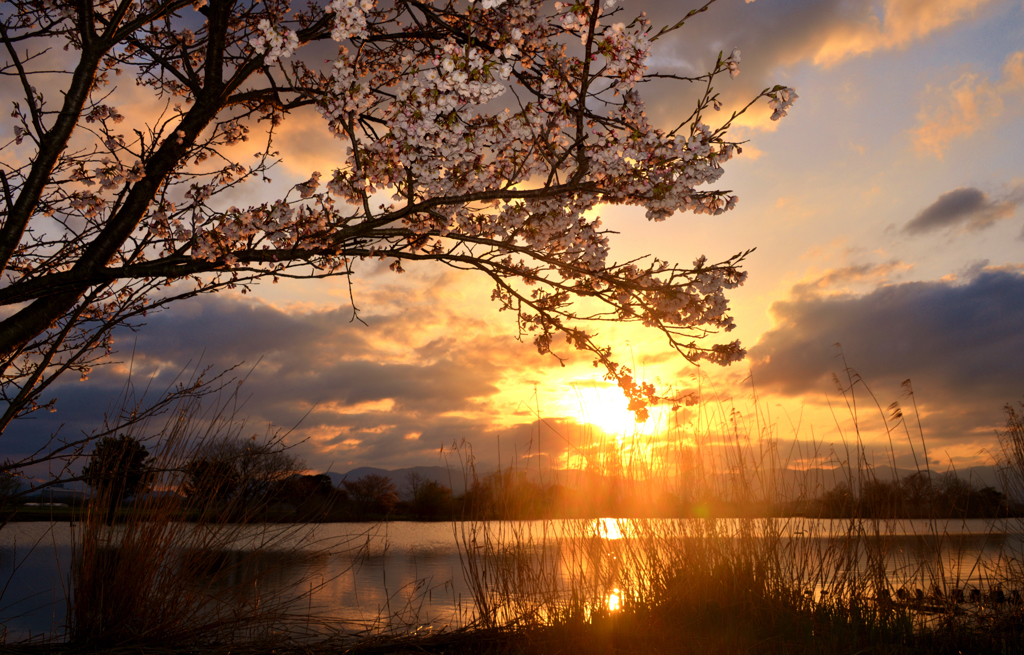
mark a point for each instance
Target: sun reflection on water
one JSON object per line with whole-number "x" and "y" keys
{"x": 610, "y": 529}
{"x": 615, "y": 600}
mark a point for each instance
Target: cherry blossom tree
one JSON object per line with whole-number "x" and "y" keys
{"x": 480, "y": 135}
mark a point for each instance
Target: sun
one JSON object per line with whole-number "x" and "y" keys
{"x": 605, "y": 408}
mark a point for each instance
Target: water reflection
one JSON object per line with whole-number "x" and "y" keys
{"x": 609, "y": 528}
{"x": 402, "y": 575}
{"x": 614, "y": 600}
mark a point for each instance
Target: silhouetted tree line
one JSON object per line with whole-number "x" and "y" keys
{"x": 239, "y": 480}
{"x": 244, "y": 480}
{"x": 511, "y": 494}
{"x": 119, "y": 467}
{"x": 917, "y": 496}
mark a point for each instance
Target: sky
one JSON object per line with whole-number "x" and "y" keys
{"x": 886, "y": 213}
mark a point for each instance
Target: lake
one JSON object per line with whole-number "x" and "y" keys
{"x": 407, "y": 575}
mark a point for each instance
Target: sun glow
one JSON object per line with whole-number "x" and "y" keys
{"x": 615, "y": 600}
{"x": 606, "y": 409}
{"x": 610, "y": 529}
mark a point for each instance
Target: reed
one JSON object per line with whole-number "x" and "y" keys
{"x": 152, "y": 578}
{"x": 752, "y": 578}
{"x": 715, "y": 567}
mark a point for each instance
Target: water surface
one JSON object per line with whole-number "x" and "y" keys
{"x": 406, "y": 575}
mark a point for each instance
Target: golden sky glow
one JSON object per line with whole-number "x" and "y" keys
{"x": 886, "y": 214}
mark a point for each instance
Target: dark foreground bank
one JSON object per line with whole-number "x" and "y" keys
{"x": 740, "y": 629}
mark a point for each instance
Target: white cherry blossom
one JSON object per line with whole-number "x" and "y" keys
{"x": 488, "y": 136}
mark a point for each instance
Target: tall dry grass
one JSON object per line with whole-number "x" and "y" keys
{"x": 735, "y": 572}
{"x": 153, "y": 578}
{"x": 737, "y": 566}
{"x": 1011, "y": 467}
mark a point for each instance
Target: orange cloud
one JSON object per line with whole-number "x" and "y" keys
{"x": 838, "y": 281}
{"x": 966, "y": 105}
{"x": 751, "y": 152}
{"x": 307, "y": 144}
{"x": 757, "y": 118}
{"x": 903, "y": 21}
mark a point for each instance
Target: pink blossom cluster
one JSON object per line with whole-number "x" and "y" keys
{"x": 490, "y": 4}
{"x": 347, "y": 95}
{"x": 732, "y": 62}
{"x": 486, "y": 136}
{"x": 574, "y": 18}
{"x": 661, "y": 171}
{"x": 441, "y": 142}
{"x": 349, "y": 18}
{"x": 275, "y": 43}
{"x": 222, "y": 237}
{"x": 234, "y": 132}
{"x": 101, "y": 113}
{"x": 113, "y": 175}
{"x": 782, "y": 98}
{"x": 89, "y": 204}
{"x": 626, "y": 53}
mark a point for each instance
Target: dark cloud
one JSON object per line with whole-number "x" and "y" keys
{"x": 773, "y": 35}
{"x": 381, "y": 394}
{"x": 967, "y": 207}
{"x": 951, "y": 208}
{"x": 961, "y": 345}
{"x": 770, "y": 35}
{"x": 778, "y": 36}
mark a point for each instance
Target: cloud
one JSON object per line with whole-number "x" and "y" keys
{"x": 309, "y": 144}
{"x": 777, "y": 36}
{"x": 960, "y": 343}
{"x": 966, "y": 207}
{"x": 349, "y": 394}
{"x": 889, "y": 25}
{"x": 838, "y": 279}
{"x": 971, "y": 102}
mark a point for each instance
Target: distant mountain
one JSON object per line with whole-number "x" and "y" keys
{"x": 455, "y": 480}
{"x": 56, "y": 494}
